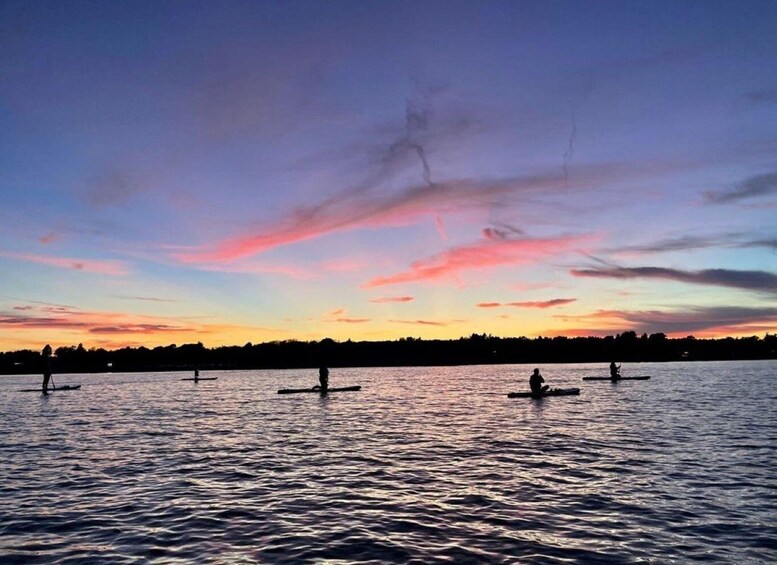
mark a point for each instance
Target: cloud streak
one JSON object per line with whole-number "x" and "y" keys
{"x": 390, "y": 299}
{"x": 41, "y": 317}
{"x": 760, "y": 281}
{"x": 355, "y": 209}
{"x": 421, "y": 322}
{"x": 704, "y": 321}
{"x": 542, "y": 304}
{"x": 753, "y": 187}
{"x": 692, "y": 243}
{"x": 105, "y": 267}
{"x": 481, "y": 255}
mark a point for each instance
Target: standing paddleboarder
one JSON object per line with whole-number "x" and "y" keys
{"x": 46, "y": 353}
{"x": 323, "y": 379}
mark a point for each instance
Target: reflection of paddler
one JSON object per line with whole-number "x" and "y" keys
{"x": 46, "y": 353}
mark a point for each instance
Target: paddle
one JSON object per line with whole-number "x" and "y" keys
{"x": 53, "y": 386}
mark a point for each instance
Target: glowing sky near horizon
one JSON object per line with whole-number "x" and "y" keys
{"x": 173, "y": 172}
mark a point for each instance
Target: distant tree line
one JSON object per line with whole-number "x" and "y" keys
{"x": 476, "y": 349}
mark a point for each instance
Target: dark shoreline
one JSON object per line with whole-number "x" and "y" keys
{"x": 406, "y": 352}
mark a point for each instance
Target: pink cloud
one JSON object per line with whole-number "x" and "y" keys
{"x": 48, "y": 238}
{"x": 386, "y": 299}
{"x": 357, "y": 208}
{"x": 107, "y": 267}
{"x": 481, "y": 255}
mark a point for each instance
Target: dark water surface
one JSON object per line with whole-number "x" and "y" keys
{"x": 422, "y": 465}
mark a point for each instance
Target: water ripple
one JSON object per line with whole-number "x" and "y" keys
{"x": 423, "y": 465}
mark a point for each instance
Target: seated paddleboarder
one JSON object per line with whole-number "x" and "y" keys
{"x": 323, "y": 379}
{"x": 615, "y": 372}
{"x": 535, "y": 383}
{"x": 46, "y": 353}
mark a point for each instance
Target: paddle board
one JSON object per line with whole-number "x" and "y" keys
{"x": 298, "y": 390}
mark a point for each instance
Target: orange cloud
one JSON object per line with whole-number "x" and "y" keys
{"x": 107, "y": 267}
{"x": 481, "y": 255}
{"x": 59, "y": 319}
{"x": 488, "y": 304}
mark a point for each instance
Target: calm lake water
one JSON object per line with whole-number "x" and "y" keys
{"x": 422, "y": 465}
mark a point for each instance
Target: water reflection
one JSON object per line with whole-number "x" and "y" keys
{"x": 423, "y": 463}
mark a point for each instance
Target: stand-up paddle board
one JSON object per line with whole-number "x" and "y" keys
{"x": 642, "y": 378}
{"x": 200, "y": 379}
{"x": 551, "y": 392}
{"x": 318, "y": 390}
{"x": 66, "y": 387}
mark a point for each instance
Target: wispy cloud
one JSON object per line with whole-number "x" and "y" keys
{"x": 753, "y": 187}
{"x": 482, "y": 255}
{"x": 761, "y": 281}
{"x": 691, "y": 243}
{"x": 336, "y": 215}
{"x": 37, "y": 317}
{"x": 104, "y": 267}
{"x": 340, "y": 315}
{"x": 423, "y": 322}
{"x": 502, "y": 231}
{"x": 355, "y": 209}
{"x": 552, "y": 303}
{"x": 542, "y": 304}
{"x": 143, "y": 298}
{"x": 704, "y": 321}
{"x": 90, "y": 321}
{"x": 389, "y": 299}
{"x": 682, "y": 243}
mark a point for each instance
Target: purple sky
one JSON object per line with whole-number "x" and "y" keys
{"x": 250, "y": 171}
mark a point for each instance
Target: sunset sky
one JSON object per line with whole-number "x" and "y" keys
{"x": 225, "y": 172}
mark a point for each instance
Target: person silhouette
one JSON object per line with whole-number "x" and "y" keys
{"x": 46, "y": 353}
{"x": 535, "y": 384}
{"x": 615, "y": 372}
{"x": 323, "y": 379}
